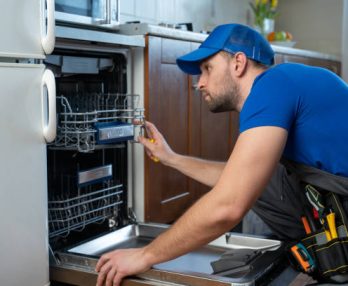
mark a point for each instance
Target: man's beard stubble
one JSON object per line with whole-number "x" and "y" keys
{"x": 226, "y": 99}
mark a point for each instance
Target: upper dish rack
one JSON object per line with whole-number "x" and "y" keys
{"x": 86, "y": 120}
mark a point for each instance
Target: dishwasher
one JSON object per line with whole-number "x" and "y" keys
{"x": 90, "y": 168}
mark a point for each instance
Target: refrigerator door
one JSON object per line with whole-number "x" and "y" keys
{"x": 27, "y": 28}
{"x": 23, "y": 177}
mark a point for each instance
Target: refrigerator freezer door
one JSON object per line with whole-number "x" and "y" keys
{"x": 26, "y": 32}
{"x": 23, "y": 177}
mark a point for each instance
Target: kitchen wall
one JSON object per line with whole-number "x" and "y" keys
{"x": 204, "y": 14}
{"x": 315, "y": 24}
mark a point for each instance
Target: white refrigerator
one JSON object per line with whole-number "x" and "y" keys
{"x": 27, "y": 122}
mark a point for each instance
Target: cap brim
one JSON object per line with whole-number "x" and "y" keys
{"x": 190, "y": 63}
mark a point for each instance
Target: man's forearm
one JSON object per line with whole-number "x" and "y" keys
{"x": 203, "y": 171}
{"x": 209, "y": 218}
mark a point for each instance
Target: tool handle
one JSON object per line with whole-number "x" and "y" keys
{"x": 303, "y": 257}
{"x": 146, "y": 134}
{"x": 332, "y": 225}
{"x": 315, "y": 199}
{"x": 153, "y": 158}
{"x": 328, "y": 235}
{"x": 306, "y": 225}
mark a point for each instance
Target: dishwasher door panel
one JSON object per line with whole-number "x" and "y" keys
{"x": 193, "y": 268}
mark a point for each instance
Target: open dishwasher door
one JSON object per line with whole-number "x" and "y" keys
{"x": 233, "y": 259}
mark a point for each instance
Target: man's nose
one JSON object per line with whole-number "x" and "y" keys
{"x": 200, "y": 83}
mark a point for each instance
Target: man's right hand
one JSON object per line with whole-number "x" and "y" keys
{"x": 156, "y": 146}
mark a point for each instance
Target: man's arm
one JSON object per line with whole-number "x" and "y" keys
{"x": 203, "y": 171}
{"x": 246, "y": 174}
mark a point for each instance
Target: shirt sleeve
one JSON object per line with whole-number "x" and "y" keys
{"x": 273, "y": 101}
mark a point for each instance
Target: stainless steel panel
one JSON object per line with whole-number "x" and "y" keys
{"x": 191, "y": 269}
{"x": 104, "y": 172}
{"x": 99, "y": 36}
{"x": 116, "y": 132}
{"x": 238, "y": 241}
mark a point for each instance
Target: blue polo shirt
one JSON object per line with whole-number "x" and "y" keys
{"x": 311, "y": 103}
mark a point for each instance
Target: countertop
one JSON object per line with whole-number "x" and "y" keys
{"x": 144, "y": 29}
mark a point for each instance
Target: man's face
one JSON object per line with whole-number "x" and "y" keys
{"x": 218, "y": 88}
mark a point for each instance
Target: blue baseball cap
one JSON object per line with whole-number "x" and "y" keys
{"x": 231, "y": 38}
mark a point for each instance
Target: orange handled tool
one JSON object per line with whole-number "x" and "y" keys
{"x": 306, "y": 225}
{"x": 302, "y": 257}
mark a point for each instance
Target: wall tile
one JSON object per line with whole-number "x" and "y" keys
{"x": 146, "y": 9}
{"x": 166, "y": 11}
{"x": 127, "y": 7}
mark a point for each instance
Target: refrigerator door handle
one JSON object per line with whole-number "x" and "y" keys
{"x": 48, "y": 26}
{"x": 49, "y": 122}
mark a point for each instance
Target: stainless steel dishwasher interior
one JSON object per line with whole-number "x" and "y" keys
{"x": 198, "y": 261}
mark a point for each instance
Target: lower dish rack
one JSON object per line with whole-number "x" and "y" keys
{"x": 76, "y": 212}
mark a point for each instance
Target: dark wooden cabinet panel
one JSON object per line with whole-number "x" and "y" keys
{"x": 179, "y": 112}
{"x": 166, "y": 104}
{"x": 213, "y": 135}
{"x": 334, "y": 66}
{"x": 278, "y": 58}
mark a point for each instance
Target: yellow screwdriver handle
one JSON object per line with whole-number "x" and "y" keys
{"x": 332, "y": 225}
{"x": 153, "y": 158}
{"x": 328, "y": 235}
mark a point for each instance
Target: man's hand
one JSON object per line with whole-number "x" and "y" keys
{"x": 115, "y": 265}
{"x": 156, "y": 146}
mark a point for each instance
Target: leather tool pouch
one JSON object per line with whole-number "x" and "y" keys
{"x": 322, "y": 254}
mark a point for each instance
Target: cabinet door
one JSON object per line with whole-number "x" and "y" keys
{"x": 177, "y": 109}
{"x": 166, "y": 102}
{"x": 209, "y": 130}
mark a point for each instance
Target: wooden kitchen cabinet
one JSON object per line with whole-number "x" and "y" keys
{"x": 166, "y": 103}
{"x": 181, "y": 115}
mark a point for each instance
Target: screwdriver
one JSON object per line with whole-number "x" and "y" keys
{"x": 306, "y": 225}
{"x": 332, "y": 225}
{"x": 146, "y": 133}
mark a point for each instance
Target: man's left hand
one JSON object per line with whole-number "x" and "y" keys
{"x": 115, "y": 265}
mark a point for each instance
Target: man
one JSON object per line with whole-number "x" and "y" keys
{"x": 290, "y": 110}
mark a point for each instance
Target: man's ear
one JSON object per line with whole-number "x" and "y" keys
{"x": 240, "y": 63}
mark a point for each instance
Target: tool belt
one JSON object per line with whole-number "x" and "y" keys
{"x": 323, "y": 252}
